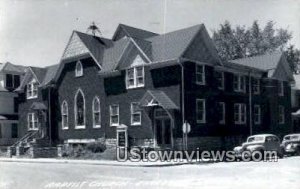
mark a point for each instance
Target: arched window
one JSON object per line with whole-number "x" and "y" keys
{"x": 79, "y": 110}
{"x": 96, "y": 113}
{"x": 65, "y": 115}
{"x": 78, "y": 69}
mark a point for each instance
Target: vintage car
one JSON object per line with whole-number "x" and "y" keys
{"x": 259, "y": 143}
{"x": 291, "y": 144}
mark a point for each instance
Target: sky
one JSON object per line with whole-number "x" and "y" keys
{"x": 35, "y": 32}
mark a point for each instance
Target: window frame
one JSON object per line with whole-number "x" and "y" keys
{"x": 75, "y": 110}
{"x": 223, "y": 120}
{"x": 256, "y": 86}
{"x": 242, "y": 113}
{"x": 96, "y": 99}
{"x": 33, "y": 87}
{"x": 135, "y": 77}
{"x": 257, "y": 114}
{"x": 221, "y": 80}
{"x": 32, "y": 118}
{"x": 117, "y": 114}
{"x": 203, "y": 120}
{"x": 281, "y": 88}
{"x": 78, "y": 73}
{"x": 281, "y": 114}
{"x": 241, "y": 83}
{"x": 202, "y": 72}
{"x": 132, "y": 113}
{"x": 66, "y": 114}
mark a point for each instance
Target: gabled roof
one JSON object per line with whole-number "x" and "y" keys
{"x": 50, "y": 74}
{"x": 160, "y": 98}
{"x": 12, "y": 67}
{"x": 263, "y": 62}
{"x": 275, "y": 64}
{"x": 133, "y": 32}
{"x": 39, "y": 73}
{"x": 173, "y": 44}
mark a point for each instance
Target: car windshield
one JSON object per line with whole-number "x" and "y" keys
{"x": 256, "y": 139}
{"x": 292, "y": 137}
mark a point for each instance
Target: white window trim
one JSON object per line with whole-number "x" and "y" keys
{"x": 258, "y": 86}
{"x": 94, "y": 111}
{"x": 35, "y": 124}
{"x": 203, "y": 74}
{"x": 75, "y": 110}
{"x": 135, "y": 78}
{"x": 110, "y": 115}
{"x": 78, "y": 73}
{"x": 132, "y": 113}
{"x": 257, "y": 122}
{"x": 239, "y": 89}
{"x": 32, "y": 83}
{"x": 281, "y": 88}
{"x": 65, "y": 127}
{"x": 204, "y": 111}
{"x": 223, "y": 120}
{"x": 281, "y": 121}
{"x": 240, "y": 105}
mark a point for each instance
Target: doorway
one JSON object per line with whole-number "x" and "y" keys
{"x": 163, "y": 129}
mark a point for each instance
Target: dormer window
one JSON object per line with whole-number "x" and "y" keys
{"x": 135, "y": 77}
{"x": 78, "y": 69}
{"x": 32, "y": 89}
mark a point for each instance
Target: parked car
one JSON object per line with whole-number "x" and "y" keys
{"x": 259, "y": 143}
{"x": 291, "y": 144}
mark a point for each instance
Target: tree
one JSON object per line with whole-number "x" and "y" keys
{"x": 241, "y": 42}
{"x": 293, "y": 57}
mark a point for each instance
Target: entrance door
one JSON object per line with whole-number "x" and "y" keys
{"x": 163, "y": 132}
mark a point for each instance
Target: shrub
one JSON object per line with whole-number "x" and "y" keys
{"x": 96, "y": 147}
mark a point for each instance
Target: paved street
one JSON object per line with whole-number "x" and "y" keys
{"x": 282, "y": 174}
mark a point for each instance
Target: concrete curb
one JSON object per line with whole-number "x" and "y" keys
{"x": 100, "y": 162}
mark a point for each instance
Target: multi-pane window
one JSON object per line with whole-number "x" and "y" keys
{"x": 32, "y": 89}
{"x": 114, "y": 115}
{"x": 239, "y": 83}
{"x": 222, "y": 111}
{"x": 200, "y": 74}
{"x": 200, "y": 111}
{"x": 65, "y": 115}
{"x": 136, "y": 114}
{"x": 281, "y": 88}
{"x": 96, "y": 113}
{"x": 12, "y": 81}
{"x": 240, "y": 113}
{"x": 220, "y": 79}
{"x": 32, "y": 121}
{"x": 78, "y": 69}
{"x": 257, "y": 114}
{"x": 281, "y": 114}
{"x": 14, "y": 130}
{"x": 256, "y": 86}
{"x": 9, "y": 80}
{"x": 79, "y": 110}
{"x": 135, "y": 77}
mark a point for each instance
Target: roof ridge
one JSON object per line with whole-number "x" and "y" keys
{"x": 124, "y": 25}
{"x": 261, "y": 55}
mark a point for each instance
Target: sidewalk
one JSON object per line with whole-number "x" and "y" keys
{"x": 101, "y": 162}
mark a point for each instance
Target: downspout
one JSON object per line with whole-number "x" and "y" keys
{"x": 49, "y": 115}
{"x": 182, "y": 100}
{"x": 250, "y": 102}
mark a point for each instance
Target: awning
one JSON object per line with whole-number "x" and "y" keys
{"x": 158, "y": 98}
{"x": 38, "y": 106}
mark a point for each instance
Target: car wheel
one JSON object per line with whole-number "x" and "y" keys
{"x": 258, "y": 155}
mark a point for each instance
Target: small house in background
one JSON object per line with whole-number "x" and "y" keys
{"x": 11, "y": 76}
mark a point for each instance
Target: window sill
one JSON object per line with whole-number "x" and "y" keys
{"x": 65, "y": 128}
{"x": 80, "y": 127}
{"x": 77, "y": 76}
{"x": 136, "y": 124}
{"x": 33, "y": 129}
{"x": 114, "y": 125}
{"x": 137, "y": 87}
{"x": 96, "y": 126}
{"x": 31, "y": 97}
